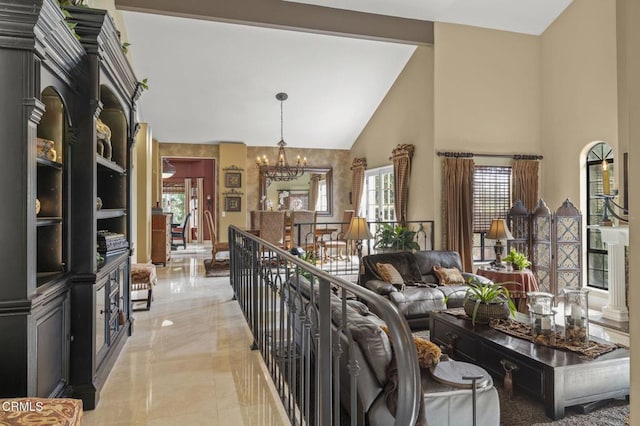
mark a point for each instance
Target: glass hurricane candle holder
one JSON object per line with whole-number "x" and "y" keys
{"x": 576, "y": 316}
{"x": 542, "y": 316}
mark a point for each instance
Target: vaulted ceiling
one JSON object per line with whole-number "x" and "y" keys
{"x": 215, "y": 67}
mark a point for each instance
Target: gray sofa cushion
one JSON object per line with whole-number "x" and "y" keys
{"x": 416, "y": 301}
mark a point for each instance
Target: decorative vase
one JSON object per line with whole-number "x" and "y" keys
{"x": 486, "y": 311}
{"x": 98, "y": 203}
{"x": 37, "y": 207}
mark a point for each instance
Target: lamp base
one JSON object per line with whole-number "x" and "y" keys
{"x": 498, "y": 249}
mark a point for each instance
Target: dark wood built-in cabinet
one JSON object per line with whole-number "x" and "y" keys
{"x": 64, "y": 312}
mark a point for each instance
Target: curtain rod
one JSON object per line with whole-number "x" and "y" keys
{"x": 450, "y": 154}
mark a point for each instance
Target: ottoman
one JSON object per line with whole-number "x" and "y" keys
{"x": 143, "y": 278}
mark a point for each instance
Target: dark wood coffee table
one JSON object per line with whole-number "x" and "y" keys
{"x": 558, "y": 378}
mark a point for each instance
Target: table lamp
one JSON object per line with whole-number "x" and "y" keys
{"x": 499, "y": 231}
{"x": 358, "y": 231}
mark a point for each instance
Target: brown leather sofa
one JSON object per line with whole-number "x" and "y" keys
{"x": 422, "y": 293}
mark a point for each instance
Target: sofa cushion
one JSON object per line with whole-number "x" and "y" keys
{"x": 367, "y": 333}
{"x": 391, "y": 275}
{"x": 418, "y": 301}
{"x": 448, "y": 276}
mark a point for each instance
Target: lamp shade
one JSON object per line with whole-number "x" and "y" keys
{"x": 499, "y": 230}
{"x": 358, "y": 230}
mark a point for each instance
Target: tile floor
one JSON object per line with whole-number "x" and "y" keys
{"x": 189, "y": 360}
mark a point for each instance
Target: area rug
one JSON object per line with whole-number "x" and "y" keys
{"x": 522, "y": 410}
{"x": 218, "y": 269}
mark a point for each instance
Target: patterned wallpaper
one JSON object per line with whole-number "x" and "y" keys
{"x": 339, "y": 160}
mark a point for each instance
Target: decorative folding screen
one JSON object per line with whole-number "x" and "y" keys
{"x": 553, "y": 243}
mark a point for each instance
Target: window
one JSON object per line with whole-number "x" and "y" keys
{"x": 173, "y": 201}
{"x": 491, "y": 200}
{"x": 378, "y": 195}
{"x": 321, "y": 205}
{"x": 597, "y": 261}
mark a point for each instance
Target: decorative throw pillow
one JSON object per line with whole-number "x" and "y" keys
{"x": 448, "y": 275}
{"x": 391, "y": 275}
{"x": 428, "y": 352}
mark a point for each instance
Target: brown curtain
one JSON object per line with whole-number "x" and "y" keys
{"x": 401, "y": 157}
{"x": 525, "y": 182}
{"x": 314, "y": 182}
{"x": 358, "y": 166}
{"x": 457, "y": 181}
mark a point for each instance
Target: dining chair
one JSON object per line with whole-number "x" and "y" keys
{"x": 254, "y": 221}
{"x": 272, "y": 227}
{"x": 178, "y": 233}
{"x": 339, "y": 242}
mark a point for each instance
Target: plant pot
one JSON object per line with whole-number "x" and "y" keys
{"x": 486, "y": 311}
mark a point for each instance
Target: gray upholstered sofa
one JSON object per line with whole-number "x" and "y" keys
{"x": 443, "y": 404}
{"x": 422, "y": 293}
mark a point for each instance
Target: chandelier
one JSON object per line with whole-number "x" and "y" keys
{"x": 168, "y": 169}
{"x": 282, "y": 170}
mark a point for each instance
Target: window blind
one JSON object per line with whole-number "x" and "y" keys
{"x": 491, "y": 195}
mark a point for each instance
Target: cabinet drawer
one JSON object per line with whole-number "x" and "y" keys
{"x": 465, "y": 345}
{"x": 527, "y": 377}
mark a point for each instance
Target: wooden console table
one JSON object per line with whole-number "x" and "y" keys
{"x": 559, "y": 378}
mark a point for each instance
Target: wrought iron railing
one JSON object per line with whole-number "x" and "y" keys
{"x": 296, "y": 313}
{"x": 333, "y": 254}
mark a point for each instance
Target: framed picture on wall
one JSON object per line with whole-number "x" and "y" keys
{"x": 232, "y": 204}
{"x": 233, "y": 179}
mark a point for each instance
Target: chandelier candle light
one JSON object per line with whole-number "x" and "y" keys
{"x": 282, "y": 170}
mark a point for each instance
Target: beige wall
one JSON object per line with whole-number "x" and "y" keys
{"x": 405, "y": 116}
{"x": 142, "y": 179}
{"x": 579, "y": 86}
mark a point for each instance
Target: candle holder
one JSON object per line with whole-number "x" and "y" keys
{"x": 576, "y": 316}
{"x": 542, "y": 316}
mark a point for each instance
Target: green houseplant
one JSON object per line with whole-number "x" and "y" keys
{"x": 517, "y": 259}
{"x": 396, "y": 238}
{"x": 488, "y": 300}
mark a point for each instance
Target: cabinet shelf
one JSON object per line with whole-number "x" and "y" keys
{"x": 48, "y": 221}
{"x": 48, "y": 163}
{"x": 50, "y": 276}
{"x": 112, "y": 166}
{"x": 110, "y": 213}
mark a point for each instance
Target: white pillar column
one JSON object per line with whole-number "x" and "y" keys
{"x": 616, "y": 238}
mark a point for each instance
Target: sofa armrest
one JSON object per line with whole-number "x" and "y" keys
{"x": 381, "y": 287}
{"x": 476, "y": 278}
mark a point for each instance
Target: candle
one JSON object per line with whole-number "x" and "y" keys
{"x": 576, "y": 312}
{"x": 537, "y": 308}
{"x": 606, "y": 189}
{"x": 546, "y": 323}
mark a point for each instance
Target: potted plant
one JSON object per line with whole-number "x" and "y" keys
{"x": 396, "y": 238}
{"x": 517, "y": 259}
{"x": 487, "y": 300}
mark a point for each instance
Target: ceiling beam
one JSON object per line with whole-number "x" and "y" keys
{"x": 292, "y": 16}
